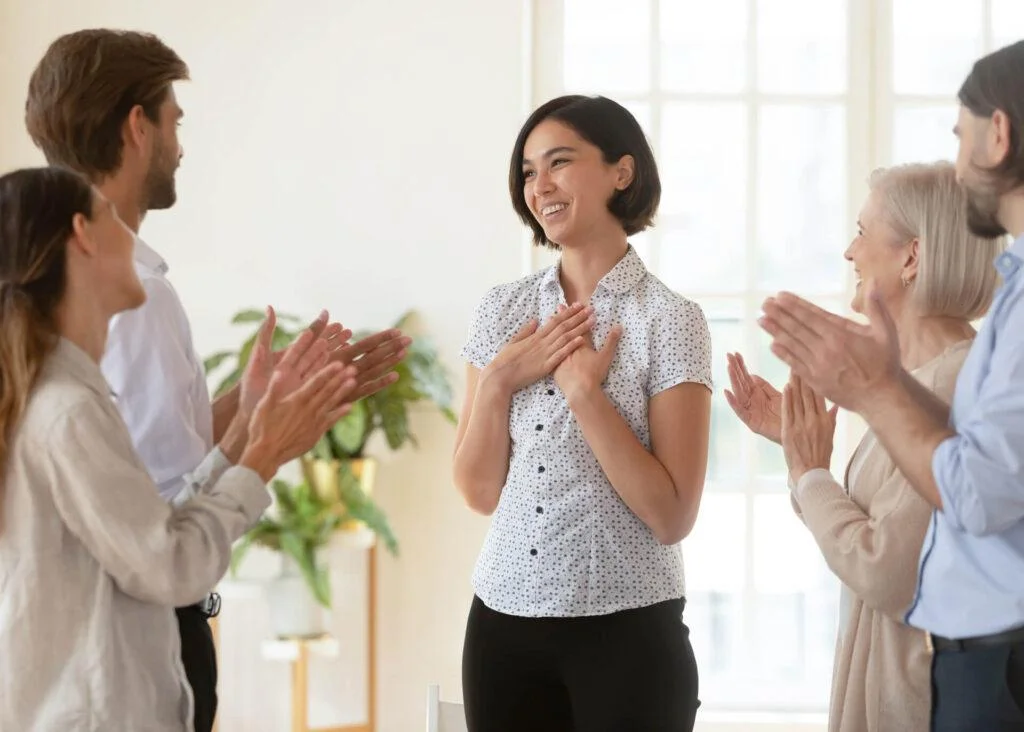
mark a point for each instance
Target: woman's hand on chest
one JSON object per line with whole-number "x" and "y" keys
{"x": 534, "y": 352}
{"x": 585, "y": 369}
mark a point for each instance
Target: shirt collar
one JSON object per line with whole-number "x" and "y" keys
{"x": 1010, "y": 261}
{"x": 626, "y": 273}
{"x": 68, "y": 358}
{"x": 147, "y": 257}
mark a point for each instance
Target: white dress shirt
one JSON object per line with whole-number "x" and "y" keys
{"x": 92, "y": 562}
{"x": 159, "y": 382}
{"x": 562, "y": 542}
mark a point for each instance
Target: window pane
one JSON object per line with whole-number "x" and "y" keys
{"x": 725, "y": 463}
{"x": 795, "y": 640}
{"x": 1007, "y": 22}
{"x": 802, "y": 217}
{"x": 794, "y": 650}
{"x": 715, "y": 556}
{"x": 704, "y": 195}
{"x": 607, "y": 46}
{"x": 923, "y": 134}
{"x": 934, "y": 44}
{"x": 715, "y": 552}
{"x": 715, "y": 620}
{"x": 787, "y": 559}
{"x": 642, "y": 112}
{"x": 801, "y": 46}
{"x": 642, "y": 243}
{"x": 704, "y": 46}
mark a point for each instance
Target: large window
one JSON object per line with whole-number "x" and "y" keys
{"x": 767, "y": 117}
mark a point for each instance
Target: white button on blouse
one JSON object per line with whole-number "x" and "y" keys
{"x": 561, "y": 542}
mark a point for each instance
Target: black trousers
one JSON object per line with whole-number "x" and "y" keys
{"x": 199, "y": 656}
{"x": 631, "y": 671}
{"x": 978, "y": 690}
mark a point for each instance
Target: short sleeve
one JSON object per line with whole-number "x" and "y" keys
{"x": 680, "y": 348}
{"x": 481, "y": 344}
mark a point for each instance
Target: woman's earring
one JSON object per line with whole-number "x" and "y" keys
{"x": 905, "y": 281}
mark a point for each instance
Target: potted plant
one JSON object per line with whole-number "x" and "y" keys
{"x": 300, "y": 527}
{"x": 338, "y": 473}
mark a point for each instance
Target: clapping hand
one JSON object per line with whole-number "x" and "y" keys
{"x": 849, "y": 363}
{"x": 288, "y": 423}
{"x": 756, "y": 402}
{"x": 306, "y": 354}
{"x": 374, "y": 358}
{"x": 808, "y": 428}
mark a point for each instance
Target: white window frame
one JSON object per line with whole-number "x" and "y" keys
{"x": 870, "y": 102}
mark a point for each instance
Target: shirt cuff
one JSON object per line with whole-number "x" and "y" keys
{"x": 250, "y": 490}
{"x": 807, "y": 479}
{"x": 199, "y": 481}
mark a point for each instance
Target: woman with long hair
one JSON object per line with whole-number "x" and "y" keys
{"x": 92, "y": 561}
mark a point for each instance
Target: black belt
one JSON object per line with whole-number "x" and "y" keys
{"x": 209, "y": 606}
{"x": 1006, "y": 638}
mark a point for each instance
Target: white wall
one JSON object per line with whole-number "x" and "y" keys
{"x": 343, "y": 154}
{"x": 349, "y": 155}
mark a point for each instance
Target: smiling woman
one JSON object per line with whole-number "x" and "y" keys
{"x": 585, "y": 433}
{"x": 574, "y": 129}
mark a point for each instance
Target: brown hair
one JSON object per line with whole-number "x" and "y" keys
{"x": 85, "y": 86}
{"x": 610, "y": 127}
{"x": 996, "y": 82}
{"x": 37, "y": 211}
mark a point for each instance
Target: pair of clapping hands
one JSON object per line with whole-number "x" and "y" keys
{"x": 289, "y": 398}
{"x": 796, "y": 418}
{"x": 562, "y": 347}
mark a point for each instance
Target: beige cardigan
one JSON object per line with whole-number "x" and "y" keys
{"x": 871, "y": 538}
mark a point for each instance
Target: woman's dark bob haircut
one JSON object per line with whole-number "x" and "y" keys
{"x": 614, "y": 130}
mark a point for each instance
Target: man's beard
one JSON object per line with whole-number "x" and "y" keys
{"x": 160, "y": 191}
{"x": 982, "y": 212}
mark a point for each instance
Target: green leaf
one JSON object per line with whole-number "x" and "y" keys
{"x": 264, "y": 533}
{"x": 249, "y": 316}
{"x": 403, "y": 320}
{"x": 229, "y": 381}
{"x": 281, "y": 338}
{"x": 322, "y": 586}
{"x": 284, "y": 496}
{"x": 361, "y": 507}
{"x": 238, "y": 552}
{"x": 395, "y": 423}
{"x": 322, "y": 449}
{"x": 350, "y": 431}
{"x": 305, "y": 557}
{"x": 254, "y": 315}
{"x": 216, "y": 359}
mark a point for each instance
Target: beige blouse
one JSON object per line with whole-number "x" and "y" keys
{"x": 93, "y": 561}
{"x": 871, "y": 533}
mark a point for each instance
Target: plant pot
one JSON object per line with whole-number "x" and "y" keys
{"x": 294, "y": 611}
{"x": 322, "y": 476}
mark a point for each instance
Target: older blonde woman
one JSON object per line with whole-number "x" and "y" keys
{"x": 913, "y": 248}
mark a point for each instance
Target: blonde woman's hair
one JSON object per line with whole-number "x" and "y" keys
{"x": 955, "y": 273}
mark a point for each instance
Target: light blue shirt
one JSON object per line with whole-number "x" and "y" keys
{"x": 971, "y": 573}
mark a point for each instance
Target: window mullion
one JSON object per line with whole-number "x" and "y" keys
{"x": 654, "y": 102}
